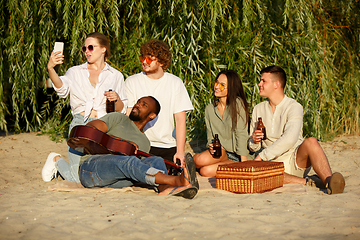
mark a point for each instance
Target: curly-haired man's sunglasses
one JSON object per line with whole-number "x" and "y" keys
{"x": 148, "y": 60}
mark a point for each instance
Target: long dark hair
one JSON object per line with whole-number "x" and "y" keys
{"x": 235, "y": 90}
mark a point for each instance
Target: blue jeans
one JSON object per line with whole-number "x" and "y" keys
{"x": 70, "y": 170}
{"x": 117, "y": 171}
{"x": 233, "y": 156}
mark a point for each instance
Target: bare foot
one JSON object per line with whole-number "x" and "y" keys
{"x": 166, "y": 189}
{"x": 184, "y": 176}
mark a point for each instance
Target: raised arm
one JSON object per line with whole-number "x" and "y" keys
{"x": 55, "y": 59}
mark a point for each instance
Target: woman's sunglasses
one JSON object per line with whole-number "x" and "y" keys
{"x": 90, "y": 48}
{"x": 148, "y": 60}
{"x": 221, "y": 86}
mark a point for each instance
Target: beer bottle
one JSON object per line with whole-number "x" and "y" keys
{"x": 261, "y": 127}
{"x": 216, "y": 147}
{"x": 110, "y": 105}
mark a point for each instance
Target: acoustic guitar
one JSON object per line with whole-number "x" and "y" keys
{"x": 92, "y": 141}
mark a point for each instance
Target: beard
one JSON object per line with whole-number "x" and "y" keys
{"x": 134, "y": 117}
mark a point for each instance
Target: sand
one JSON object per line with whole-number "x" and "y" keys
{"x": 28, "y": 210}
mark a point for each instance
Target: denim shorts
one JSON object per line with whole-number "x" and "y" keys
{"x": 233, "y": 156}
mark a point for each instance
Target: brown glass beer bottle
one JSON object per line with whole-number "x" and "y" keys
{"x": 261, "y": 127}
{"x": 110, "y": 105}
{"x": 216, "y": 147}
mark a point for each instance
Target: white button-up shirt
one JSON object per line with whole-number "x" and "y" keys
{"x": 83, "y": 96}
{"x": 283, "y": 129}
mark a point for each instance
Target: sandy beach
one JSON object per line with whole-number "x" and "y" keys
{"x": 29, "y": 210}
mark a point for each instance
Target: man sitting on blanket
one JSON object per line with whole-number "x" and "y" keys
{"x": 118, "y": 171}
{"x": 283, "y": 119}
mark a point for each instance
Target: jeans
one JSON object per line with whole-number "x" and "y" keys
{"x": 70, "y": 170}
{"x": 233, "y": 156}
{"x": 117, "y": 171}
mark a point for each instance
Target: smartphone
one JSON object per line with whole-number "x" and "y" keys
{"x": 59, "y": 46}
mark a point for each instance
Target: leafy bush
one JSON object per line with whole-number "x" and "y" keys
{"x": 317, "y": 43}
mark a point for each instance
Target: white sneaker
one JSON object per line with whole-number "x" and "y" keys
{"x": 49, "y": 170}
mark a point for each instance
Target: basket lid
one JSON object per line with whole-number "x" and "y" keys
{"x": 251, "y": 166}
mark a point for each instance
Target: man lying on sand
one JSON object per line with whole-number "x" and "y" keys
{"x": 283, "y": 142}
{"x": 118, "y": 171}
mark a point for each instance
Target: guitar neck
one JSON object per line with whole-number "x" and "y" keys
{"x": 144, "y": 154}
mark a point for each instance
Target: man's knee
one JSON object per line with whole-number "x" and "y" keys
{"x": 312, "y": 141}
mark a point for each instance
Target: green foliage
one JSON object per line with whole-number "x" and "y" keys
{"x": 316, "y": 42}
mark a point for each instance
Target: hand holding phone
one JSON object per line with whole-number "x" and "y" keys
{"x": 59, "y": 46}
{"x": 58, "y": 58}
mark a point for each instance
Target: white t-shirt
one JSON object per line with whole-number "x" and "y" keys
{"x": 83, "y": 96}
{"x": 171, "y": 93}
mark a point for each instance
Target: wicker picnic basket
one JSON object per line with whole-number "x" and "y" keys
{"x": 250, "y": 176}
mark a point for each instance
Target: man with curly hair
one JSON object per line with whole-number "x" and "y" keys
{"x": 155, "y": 57}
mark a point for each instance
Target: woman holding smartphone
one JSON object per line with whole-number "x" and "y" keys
{"x": 227, "y": 117}
{"x": 88, "y": 86}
